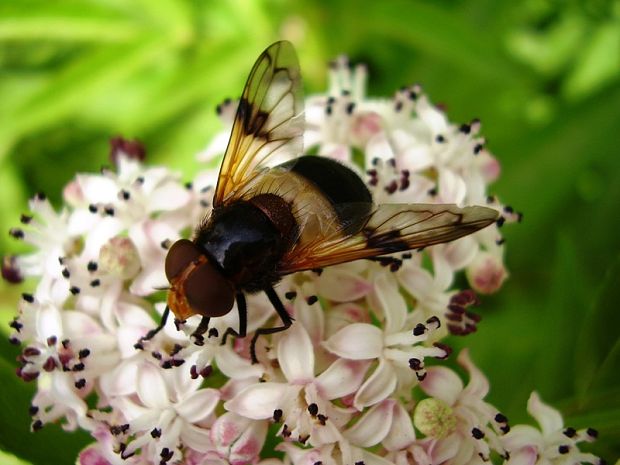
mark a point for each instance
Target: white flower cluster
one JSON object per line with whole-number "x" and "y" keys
{"x": 347, "y": 384}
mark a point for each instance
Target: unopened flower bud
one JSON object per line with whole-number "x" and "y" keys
{"x": 119, "y": 257}
{"x": 486, "y": 273}
{"x": 434, "y": 418}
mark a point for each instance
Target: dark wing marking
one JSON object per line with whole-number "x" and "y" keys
{"x": 268, "y": 125}
{"x": 389, "y": 228}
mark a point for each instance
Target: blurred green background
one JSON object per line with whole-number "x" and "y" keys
{"x": 543, "y": 76}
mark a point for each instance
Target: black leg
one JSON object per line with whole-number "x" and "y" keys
{"x": 202, "y": 328}
{"x": 153, "y": 332}
{"x": 287, "y": 321}
{"x": 243, "y": 319}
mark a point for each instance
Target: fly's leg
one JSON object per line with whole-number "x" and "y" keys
{"x": 153, "y": 332}
{"x": 243, "y": 319}
{"x": 202, "y": 328}
{"x": 287, "y": 321}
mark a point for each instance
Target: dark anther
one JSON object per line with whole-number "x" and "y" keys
{"x": 290, "y": 295}
{"x": 188, "y": 185}
{"x": 501, "y": 418}
{"x": 313, "y": 409}
{"x": 165, "y": 244}
{"x": 570, "y": 432}
{"x": 10, "y": 271}
{"x": 78, "y": 367}
{"x": 84, "y": 353}
{"x": 166, "y": 454}
{"x": 206, "y": 371}
{"x": 432, "y": 192}
{"x": 166, "y": 365}
{"x": 415, "y": 364}
{"x": 508, "y": 209}
{"x": 440, "y": 139}
{"x": 213, "y": 332}
{"x": 40, "y": 196}
{"x": 465, "y": 128}
{"x": 204, "y": 203}
{"x": 419, "y": 329}
{"x": 16, "y": 325}
{"x": 563, "y": 449}
{"x": 109, "y": 211}
{"x": 328, "y": 109}
{"x": 391, "y": 187}
{"x": 31, "y": 352}
{"x": 322, "y": 419}
{"x": 65, "y": 343}
{"x": 130, "y": 148}
{"x": 331, "y": 99}
{"x": 51, "y": 341}
{"x": 95, "y": 283}
{"x": 434, "y": 321}
{"x": 193, "y": 372}
{"x": 156, "y": 355}
{"x": 303, "y": 439}
{"x": 140, "y": 180}
{"x": 350, "y": 108}
{"x": 80, "y": 383}
{"x": 478, "y": 148}
{"x": 345, "y": 92}
{"x": 28, "y": 297}
{"x": 37, "y": 425}
{"x": 92, "y": 208}
{"x": 398, "y": 106}
{"x": 25, "y": 219}
{"x": 277, "y": 415}
{"x": 16, "y": 233}
{"x": 592, "y": 432}
{"x": 500, "y": 241}
{"x": 156, "y": 433}
{"x": 360, "y": 462}
{"x": 177, "y": 362}
{"x": 65, "y": 273}
{"x": 312, "y": 299}
{"x": 477, "y": 434}
{"x": 50, "y": 364}
{"x": 92, "y": 266}
{"x": 445, "y": 347}
{"x": 125, "y": 194}
{"x": 500, "y": 221}
{"x": 74, "y": 290}
{"x": 33, "y": 410}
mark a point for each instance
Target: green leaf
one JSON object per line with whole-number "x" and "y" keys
{"x": 598, "y": 346}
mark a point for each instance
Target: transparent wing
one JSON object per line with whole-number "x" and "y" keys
{"x": 389, "y": 228}
{"x": 268, "y": 125}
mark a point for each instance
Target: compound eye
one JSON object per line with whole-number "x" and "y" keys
{"x": 180, "y": 256}
{"x": 208, "y": 292}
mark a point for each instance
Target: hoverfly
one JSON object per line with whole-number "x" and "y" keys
{"x": 305, "y": 213}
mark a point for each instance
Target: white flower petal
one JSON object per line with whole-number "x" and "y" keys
{"x": 548, "y": 418}
{"x": 49, "y": 322}
{"x": 152, "y": 389}
{"x": 259, "y": 401}
{"x": 234, "y": 366}
{"x": 377, "y": 387}
{"x": 374, "y": 425}
{"x": 341, "y": 378}
{"x": 525, "y": 456}
{"x": 249, "y": 444}
{"x": 197, "y": 438}
{"x": 296, "y": 355}
{"x": 358, "y": 341}
{"x": 401, "y": 434}
{"x": 478, "y": 385}
{"x": 198, "y": 405}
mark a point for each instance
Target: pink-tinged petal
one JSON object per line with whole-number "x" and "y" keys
{"x": 443, "y": 384}
{"x": 341, "y": 285}
{"x": 97, "y": 188}
{"x": 478, "y": 385}
{"x": 521, "y": 436}
{"x": 227, "y": 428}
{"x": 525, "y": 456}
{"x": 486, "y": 273}
{"x": 199, "y": 405}
{"x": 311, "y": 317}
{"x": 401, "y": 434}
{"x": 92, "y": 455}
{"x": 490, "y": 167}
{"x": 258, "y": 401}
{"x": 416, "y": 158}
{"x": 296, "y": 355}
{"x": 365, "y": 127}
{"x": 442, "y": 450}
{"x": 234, "y": 366}
{"x": 548, "y": 418}
{"x": 374, "y": 425}
{"x": 152, "y": 389}
{"x": 63, "y": 389}
{"x": 377, "y": 387}
{"x": 248, "y": 446}
{"x": 80, "y": 325}
{"x": 368, "y": 458}
{"x": 358, "y": 341}
{"x": 195, "y": 437}
{"x": 341, "y": 378}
